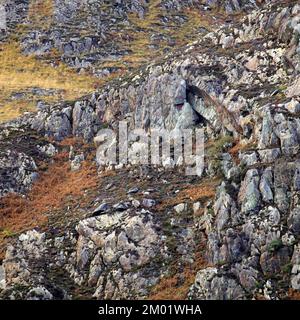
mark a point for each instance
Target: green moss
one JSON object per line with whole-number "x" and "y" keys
{"x": 214, "y": 153}
{"x": 7, "y": 233}
{"x": 287, "y": 268}
{"x": 222, "y": 263}
{"x": 217, "y": 148}
{"x": 210, "y": 211}
{"x": 275, "y": 245}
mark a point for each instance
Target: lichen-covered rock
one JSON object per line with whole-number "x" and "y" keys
{"x": 17, "y": 172}
{"x": 56, "y": 123}
{"x": 31, "y": 246}
{"x": 249, "y": 195}
{"x": 117, "y": 245}
{"x": 295, "y": 279}
{"x": 212, "y": 285}
{"x": 238, "y": 81}
{"x": 114, "y": 255}
{"x": 294, "y": 221}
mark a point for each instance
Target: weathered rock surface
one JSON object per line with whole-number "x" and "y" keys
{"x": 239, "y": 83}
{"x": 17, "y": 172}
{"x": 116, "y": 255}
{"x": 20, "y": 150}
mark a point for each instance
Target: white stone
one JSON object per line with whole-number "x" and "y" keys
{"x": 180, "y": 207}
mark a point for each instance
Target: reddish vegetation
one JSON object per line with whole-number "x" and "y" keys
{"x": 205, "y": 190}
{"x": 176, "y": 287}
{"x": 54, "y": 188}
{"x": 199, "y": 192}
{"x": 173, "y": 288}
{"x": 234, "y": 152}
{"x": 293, "y": 295}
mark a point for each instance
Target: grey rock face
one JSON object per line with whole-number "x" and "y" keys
{"x": 39, "y": 293}
{"x": 294, "y": 221}
{"x": 21, "y": 149}
{"x": 295, "y": 279}
{"x": 277, "y": 130}
{"x": 180, "y": 208}
{"x": 56, "y": 123}
{"x": 86, "y": 121}
{"x": 268, "y": 137}
{"x": 249, "y": 195}
{"x": 145, "y": 103}
{"x": 133, "y": 246}
{"x": 122, "y": 206}
{"x": 12, "y": 13}
{"x": 30, "y": 244}
{"x": 101, "y": 209}
{"x": 17, "y": 172}
{"x": 148, "y": 203}
{"x": 252, "y": 224}
{"x": 109, "y": 250}
{"x": 2, "y": 278}
{"x": 265, "y": 185}
{"x": 272, "y": 263}
{"x": 247, "y": 273}
{"x": 225, "y": 209}
{"x": 210, "y": 285}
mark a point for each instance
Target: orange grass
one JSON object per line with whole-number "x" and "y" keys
{"x": 293, "y": 294}
{"x": 54, "y": 187}
{"x": 203, "y": 191}
{"x": 171, "y": 288}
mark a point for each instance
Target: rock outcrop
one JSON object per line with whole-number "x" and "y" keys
{"x": 240, "y": 83}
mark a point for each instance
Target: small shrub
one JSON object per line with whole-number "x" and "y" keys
{"x": 287, "y": 268}
{"x": 275, "y": 245}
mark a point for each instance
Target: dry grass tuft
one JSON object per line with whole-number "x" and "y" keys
{"x": 40, "y": 12}
{"x": 203, "y": 191}
{"x": 200, "y": 192}
{"x": 141, "y": 52}
{"x": 20, "y": 73}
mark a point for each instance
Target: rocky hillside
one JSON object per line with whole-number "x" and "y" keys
{"x": 75, "y": 227}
